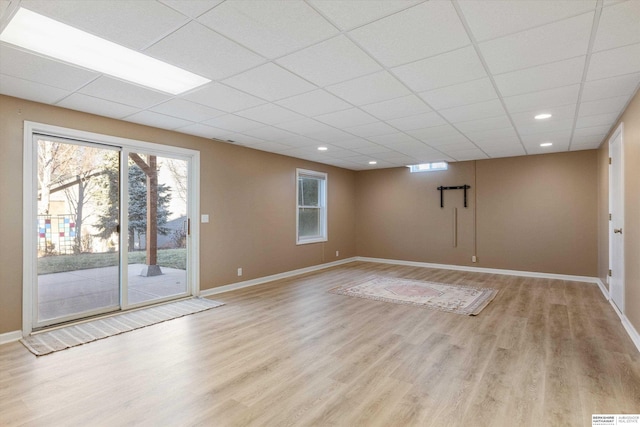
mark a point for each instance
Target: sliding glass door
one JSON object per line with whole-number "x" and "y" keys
{"x": 78, "y": 212}
{"x": 112, "y": 227}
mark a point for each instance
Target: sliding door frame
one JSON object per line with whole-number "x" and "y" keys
{"x": 29, "y": 206}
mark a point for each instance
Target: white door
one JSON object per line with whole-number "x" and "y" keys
{"x": 616, "y": 223}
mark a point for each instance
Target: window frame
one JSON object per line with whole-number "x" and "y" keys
{"x": 322, "y": 206}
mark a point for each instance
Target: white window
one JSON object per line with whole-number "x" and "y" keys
{"x": 311, "y": 215}
{"x": 426, "y": 167}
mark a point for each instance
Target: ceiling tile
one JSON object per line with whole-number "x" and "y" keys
{"x": 354, "y": 143}
{"x": 371, "y": 129}
{"x": 123, "y": 93}
{"x": 135, "y": 24}
{"x": 493, "y": 135}
{"x": 329, "y": 134}
{"x": 314, "y": 103}
{"x": 424, "y": 30}
{"x": 346, "y": 118}
{"x": 597, "y": 120}
{"x": 187, "y": 110}
{"x": 499, "y": 122}
{"x": 563, "y": 112}
{"x": 192, "y": 8}
{"x": 443, "y": 70}
{"x": 548, "y": 76}
{"x": 204, "y": 131}
{"x": 299, "y": 141}
{"x": 23, "y": 65}
{"x": 243, "y": 140}
{"x": 444, "y": 132}
{"x": 544, "y": 126}
{"x": 543, "y": 99}
{"x": 157, "y": 120}
{"x": 419, "y": 121}
{"x": 329, "y": 62}
{"x": 233, "y": 123}
{"x": 489, "y": 19}
{"x": 269, "y": 133}
{"x": 541, "y": 45}
{"x": 269, "y": 146}
{"x": 191, "y": 46}
{"x": 4, "y": 4}
{"x": 555, "y": 148}
{"x": 477, "y": 111}
{"x": 586, "y": 142}
{"x": 304, "y": 126}
{"x": 457, "y": 146}
{"x": 619, "y": 25}
{"x": 349, "y": 14}
{"x": 398, "y": 107}
{"x": 376, "y": 87}
{"x": 375, "y": 149}
{"x": 595, "y": 130}
{"x": 223, "y": 98}
{"x": 614, "y": 86}
{"x": 614, "y": 62}
{"x": 460, "y": 94}
{"x": 271, "y": 28}
{"x": 25, "y": 89}
{"x": 505, "y": 152}
{"x": 270, "y": 114}
{"x": 470, "y": 154}
{"x": 101, "y": 107}
{"x": 557, "y": 137}
{"x": 393, "y": 139}
{"x": 270, "y": 82}
{"x": 602, "y": 106}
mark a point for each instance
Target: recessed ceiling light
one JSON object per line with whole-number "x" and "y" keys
{"x": 35, "y": 32}
{"x": 373, "y": 162}
{"x": 546, "y": 144}
{"x": 542, "y": 116}
{"x": 322, "y": 148}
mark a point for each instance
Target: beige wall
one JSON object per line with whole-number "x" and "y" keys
{"x": 249, "y": 195}
{"x": 534, "y": 213}
{"x": 631, "y": 227}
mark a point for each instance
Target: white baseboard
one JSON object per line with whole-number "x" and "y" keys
{"x": 265, "y": 279}
{"x": 8, "y": 337}
{"x": 633, "y": 334}
{"x": 569, "y": 277}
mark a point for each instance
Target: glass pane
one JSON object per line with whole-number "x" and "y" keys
{"x": 77, "y": 238}
{"x": 308, "y": 222}
{"x": 157, "y": 234}
{"x": 308, "y": 191}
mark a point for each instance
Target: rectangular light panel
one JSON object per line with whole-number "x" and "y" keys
{"x": 38, "y": 33}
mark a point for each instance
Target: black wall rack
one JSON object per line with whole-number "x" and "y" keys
{"x": 457, "y": 187}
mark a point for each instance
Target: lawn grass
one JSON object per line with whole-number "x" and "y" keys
{"x": 173, "y": 258}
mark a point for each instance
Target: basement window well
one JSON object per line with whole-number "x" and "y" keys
{"x": 429, "y": 167}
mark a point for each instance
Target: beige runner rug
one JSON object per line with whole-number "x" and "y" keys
{"x": 439, "y": 296}
{"x": 71, "y": 336}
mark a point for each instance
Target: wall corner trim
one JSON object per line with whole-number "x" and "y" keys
{"x": 271, "y": 278}
{"x": 9, "y": 337}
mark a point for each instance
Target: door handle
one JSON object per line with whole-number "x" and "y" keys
{"x": 617, "y": 230}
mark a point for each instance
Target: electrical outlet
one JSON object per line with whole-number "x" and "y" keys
{"x": 337, "y": 253}
{"x": 474, "y": 259}
{"x": 239, "y": 271}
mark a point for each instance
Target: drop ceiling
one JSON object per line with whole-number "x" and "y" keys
{"x": 397, "y": 82}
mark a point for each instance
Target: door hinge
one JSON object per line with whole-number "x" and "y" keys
{"x": 609, "y": 160}
{"x": 610, "y": 274}
{"x": 609, "y": 217}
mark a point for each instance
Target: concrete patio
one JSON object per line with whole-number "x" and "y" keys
{"x": 63, "y": 294}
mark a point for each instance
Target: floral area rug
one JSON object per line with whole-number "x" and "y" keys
{"x": 440, "y": 296}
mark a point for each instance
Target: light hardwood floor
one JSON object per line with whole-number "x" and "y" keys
{"x": 543, "y": 353}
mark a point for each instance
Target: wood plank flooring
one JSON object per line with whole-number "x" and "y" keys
{"x": 543, "y": 353}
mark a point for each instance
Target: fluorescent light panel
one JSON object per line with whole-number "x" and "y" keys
{"x": 35, "y": 32}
